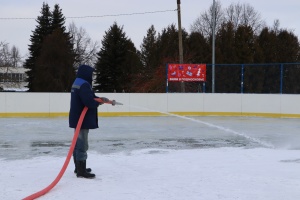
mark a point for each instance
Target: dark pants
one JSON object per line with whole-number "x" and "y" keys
{"x": 82, "y": 145}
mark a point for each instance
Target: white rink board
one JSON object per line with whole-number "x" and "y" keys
{"x": 264, "y": 103}
{"x": 222, "y": 103}
{"x": 216, "y": 104}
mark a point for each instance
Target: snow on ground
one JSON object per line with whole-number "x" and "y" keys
{"x": 210, "y": 174}
{"x": 155, "y": 158}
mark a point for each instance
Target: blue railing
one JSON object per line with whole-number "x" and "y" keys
{"x": 268, "y": 78}
{"x": 277, "y": 78}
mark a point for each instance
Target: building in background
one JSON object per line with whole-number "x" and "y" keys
{"x": 12, "y": 79}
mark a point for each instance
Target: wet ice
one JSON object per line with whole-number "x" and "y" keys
{"x": 212, "y": 158}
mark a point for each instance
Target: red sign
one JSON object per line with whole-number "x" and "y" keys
{"x": 186, "y": 72}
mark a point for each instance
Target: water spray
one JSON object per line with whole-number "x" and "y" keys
{"x": 265, "y": 144}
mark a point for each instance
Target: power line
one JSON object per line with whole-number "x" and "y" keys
{"x": 94, "y": 16}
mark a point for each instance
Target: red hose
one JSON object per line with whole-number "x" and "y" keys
{"x": 63, "y": 169}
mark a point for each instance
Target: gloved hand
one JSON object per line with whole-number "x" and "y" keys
{"x": 113, "y": 102}
{"x": 104, "y": 99}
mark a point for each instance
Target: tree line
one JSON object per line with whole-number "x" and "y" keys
{"x": 241, "y": 37}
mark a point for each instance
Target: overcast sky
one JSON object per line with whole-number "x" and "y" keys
{"x": 17, "y": 32}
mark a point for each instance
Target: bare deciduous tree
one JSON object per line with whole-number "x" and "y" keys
{"x": 15, "y": 56}
{"x": 4, "y": 55}
{"x": 245, "y": 15}
{"x": 276, "y": 26}
{"x": 238, "y": 14}
{"x": 9, "y": 57}
{"x": 85, "y": 49}
{"x": 204, "y": 23}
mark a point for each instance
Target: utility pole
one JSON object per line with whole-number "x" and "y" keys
{"x": 213, "y": 46}
{"x": 180, "y": 42}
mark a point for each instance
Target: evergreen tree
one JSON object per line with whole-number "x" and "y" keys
{"x": 288, "y": 47}
{"x": 244, "y": 43}
{"x": 227, "y": 77}
{"x": 132, "y": 66}
{"x": 168, "y": 43}
{"x": 267, "y": 41}
{"x": 117, "y": 60}
{"x": 168, "y": 49}
{"x": 36, "y": 39}
{"x": 55, "y": 64}
{"x": 58, "y": 22}
{"x": 265, "y": 75}
{"x": 40, "y": 63}
{"x": 288, "y": 52}
{"x": 58, "y": 19}
{"x": 149, "y": 53}
{"x": 198, "y": 49}
{"x": 226, "y": 44}
{"x": 156, "y": 52}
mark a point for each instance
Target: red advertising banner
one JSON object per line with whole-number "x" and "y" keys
{"x": 186, "y": 72}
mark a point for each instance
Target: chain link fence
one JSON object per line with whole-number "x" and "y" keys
{"x": 277, "y": 78}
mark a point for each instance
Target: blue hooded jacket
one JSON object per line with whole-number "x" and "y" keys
{"x": 82, "y": 95}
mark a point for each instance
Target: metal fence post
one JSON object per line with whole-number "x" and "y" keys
{"x": 242, "y": 79}
{"x": 167, "y": 85}
{"x": 281, "y": 77}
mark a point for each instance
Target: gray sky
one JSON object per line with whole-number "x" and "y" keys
{"x": 17, "y": 32}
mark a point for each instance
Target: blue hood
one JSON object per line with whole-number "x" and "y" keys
{"x": 85, "y": 72}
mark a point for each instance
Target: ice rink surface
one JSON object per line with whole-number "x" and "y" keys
{"x": 170, "y": 157}
{"x": 31, "y": 137}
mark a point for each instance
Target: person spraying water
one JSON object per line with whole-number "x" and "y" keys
{"x": 83, "y": 100}
{"x": 82, "y": 96}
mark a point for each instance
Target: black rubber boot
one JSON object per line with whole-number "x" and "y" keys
{"x": 81, "y": 170}
{"x": 75, "y": 170}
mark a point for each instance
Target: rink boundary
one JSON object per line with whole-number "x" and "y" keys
{"x": 151, "y": 114}
{"x": 27, "y": 104}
